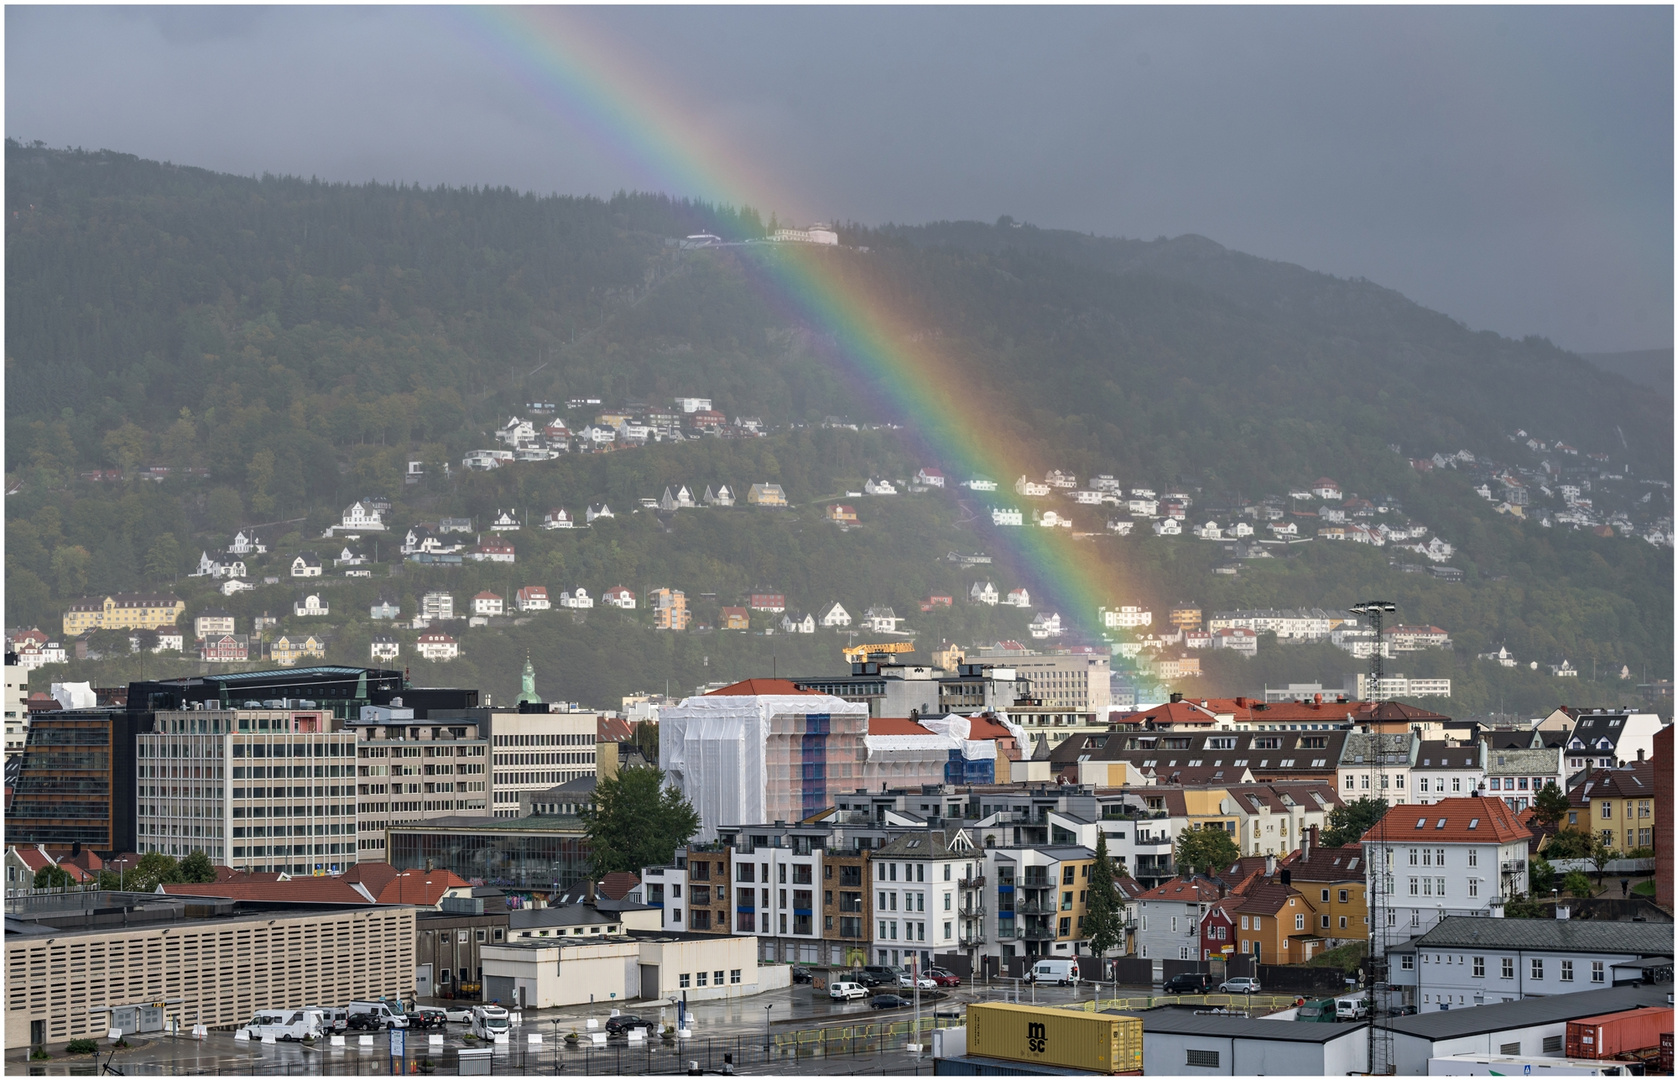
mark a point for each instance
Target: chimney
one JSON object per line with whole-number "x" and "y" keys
{"x": 1311, "y": 840}
{"x": 1223, "y": 889}
{"x": 588, "y": 892}
{"x": 1287, "y": 876}
{"x": 1317, "y": 698}
{"x": 1563, "y": 912}
{"x": 1270, "y": 866}
{"x": 1176, "y": 699}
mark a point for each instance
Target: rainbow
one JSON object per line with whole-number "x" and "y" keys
{"x": 596, "y": 89}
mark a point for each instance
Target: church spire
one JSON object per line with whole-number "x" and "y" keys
{"x": 527, "y": 686}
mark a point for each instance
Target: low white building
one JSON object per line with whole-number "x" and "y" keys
{"x": 1007, "y": 515}
{"x": 1463, "y": 962}
{"x": 538, "y": 973}
{"x": 834, "y": 617}
{"x": 1182, "y": 1043}
{"x": 619, "y": 597}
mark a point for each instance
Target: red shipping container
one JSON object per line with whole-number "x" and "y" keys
{"x": 1663, "y": 1061}
{"x": 1617, "y": 1033}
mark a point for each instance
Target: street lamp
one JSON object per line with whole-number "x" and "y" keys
{"x": 766, "y": 1009}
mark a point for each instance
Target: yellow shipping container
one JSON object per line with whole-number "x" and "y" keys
{"x": 1072, "y": 1039}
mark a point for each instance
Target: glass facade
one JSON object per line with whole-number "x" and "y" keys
{"x": 536, "y": 856}
{"x": 76, "y": 782}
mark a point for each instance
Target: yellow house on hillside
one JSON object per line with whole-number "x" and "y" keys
{"x": 123, "y": 611}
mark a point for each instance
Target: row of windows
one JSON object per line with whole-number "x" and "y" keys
{"x": 1536, "y": 966}
{"x": 699, "y": 978}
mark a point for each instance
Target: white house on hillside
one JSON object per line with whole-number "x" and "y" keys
{"x": 834, "y": 617}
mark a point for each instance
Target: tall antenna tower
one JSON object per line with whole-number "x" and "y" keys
{"x": 1377, "y": 892}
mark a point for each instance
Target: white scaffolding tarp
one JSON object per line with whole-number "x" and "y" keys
{"x": 712, "y": 750}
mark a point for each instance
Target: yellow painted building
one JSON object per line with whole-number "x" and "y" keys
{"x": 123, "y": 611}
{"x": 287, "y": 649}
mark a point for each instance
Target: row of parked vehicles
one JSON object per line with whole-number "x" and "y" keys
{"x": 862, "y": 982}
{"x": 315, "y": 1021}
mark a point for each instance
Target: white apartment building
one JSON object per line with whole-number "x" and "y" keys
{"x": 1126, "y": 618}
{"x": 1448, "y": 769}
{"x": 1377, "y": 766}
{"x": 16, "y": 700}
{"x": 1288, "y": 624}
{"x": 534, "y": 751}
{"x": 917, "y": 893}
{"x": 1079, "y": 682}
{"x": 256, "y": 789}
{"x": 1453, "y": 857}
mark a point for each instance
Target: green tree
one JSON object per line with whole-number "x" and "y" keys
{"x": 1550, "y": 805}
{"x": 635, "y": 821}
{"x": 1578, "y": 883}
{"x": 197, "y": 867}
{"x": 225, "y": 509}
{"x": 1204, "y": 849}
{"x": 163, "y": 557}
{"x": 1348, "y": 823}
{"x": 1541, "y": 876}
{"x": 70, "y": 565}
{"x": 51, "y": 877}
{"x": 1104, "y": 913}
{"x": 154, "y": 869}
{"x": 1569, "y": 844}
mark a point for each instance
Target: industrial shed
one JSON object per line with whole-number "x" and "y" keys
{"x": 1534, "y": 1027}
{"x": 1176, "y": 1042}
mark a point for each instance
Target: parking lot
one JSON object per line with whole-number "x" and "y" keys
{"x": 804, "y": 1031}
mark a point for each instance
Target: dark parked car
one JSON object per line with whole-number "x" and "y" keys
{"x": 428, "y": 1021}
{"x": 943, "y": 976}
{"x": 872, "y": 979}
{"x": 365, "y": 1022}
{"x": 887, "y": 1001}
{"x": 802, "y": 975}
{"x": 620, "y": 1025}
{"x": 1189, "y": 982}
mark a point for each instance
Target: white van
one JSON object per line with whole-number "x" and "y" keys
{"x": 1059, "y": 972}
{"x": 386, "y": 1014}
{"x": 490, "y": 1022}
{"x": 846, "y": 991}
{"x": 1351, "y": 1008}
{"x": 287, "y": 1024}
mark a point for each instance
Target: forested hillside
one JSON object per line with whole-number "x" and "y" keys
{"x": 286, "y": 347}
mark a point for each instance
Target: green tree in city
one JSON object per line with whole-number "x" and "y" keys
{"x": 1550, "y": 805}
{"x": 1578, "y": 883}
{"x": 635, "y": 821}
{"x": 1104, "y": 912}
{"x": 1203, "y": 849}
{"x": 51, "y": 877}
{"x": 1348, "y": 823}
{"x": 645, "y": 736}
{"x": 154, "y": 869}
{"x": 198, "y": 868}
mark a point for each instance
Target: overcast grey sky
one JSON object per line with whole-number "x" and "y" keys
{"x": 1509, "y": 166}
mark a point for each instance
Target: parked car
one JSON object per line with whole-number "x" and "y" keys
{"x": 389, "y": 1014}
{"x": 802, "y": 975}
{"x": 458, "y": 1014}
{"x": 1189, "y": 982}
{"x": 364, "y": 1022}
{"x": 622, "y": 1025}
{"x": 880, "y": 975}
{"x": 887, "y": 1001}
{"x": 846, "y": 991}
{"x": 428, "y": 1018}
{"x": 1242, "y": 985}
{"x": 943, "y": 976}
{"x": 909, "y": 982}
{"x": 1351, "y": 1008}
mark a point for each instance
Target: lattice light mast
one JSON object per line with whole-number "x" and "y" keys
{"x": 1375, "y": 892}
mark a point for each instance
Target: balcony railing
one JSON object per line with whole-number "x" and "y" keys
{"x": 977, "y": 882}
{"x": 1038, "y": 933}
{"x": 972, "y": 911}
{"x": 974, "y": 936}
{"x": 1034, "y": 907}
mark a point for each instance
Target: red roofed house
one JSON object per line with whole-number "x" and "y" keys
{"x": 1168, "y": 918}
{"x": 1217, "y": 929}
{"x": 373, "y": 875}
{"x": 620, "y": 597}
{"x": 487, "y": 603}
{"x": 1453, "y": 857}
{"x": 841, "y": 513}
{"x": 736, "y": 618}
{"x": 619, "y": 884}
{"x": 768, "y": 601}
{"x": 423, "y": 888}
{"x": 533, "y": 598}
{"x": 1277, "y": 924}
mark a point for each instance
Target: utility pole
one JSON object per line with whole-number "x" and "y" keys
{"x": 1380, "y": 1061}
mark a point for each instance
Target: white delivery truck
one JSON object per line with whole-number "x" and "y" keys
{"x": 1496, "y": 1065}
{"x": 490, "y": 1022}
{"x": 290, "y": 1025}
{"x": 1060, "y": 972}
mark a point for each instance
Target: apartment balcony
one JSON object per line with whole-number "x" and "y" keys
{"x": 1043, "y": 932}
{"x": 973, "y": 935}
{"x": 977, "y": 882}
{"x": 971, "y": 911}
{"x": 1035, "y": 907}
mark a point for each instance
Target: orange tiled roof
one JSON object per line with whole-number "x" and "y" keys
{"x": 894, "y": 725}
{"x": 1492, "y": 820}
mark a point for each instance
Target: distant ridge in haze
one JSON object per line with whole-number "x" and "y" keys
{"x": 1645, "y": 367}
